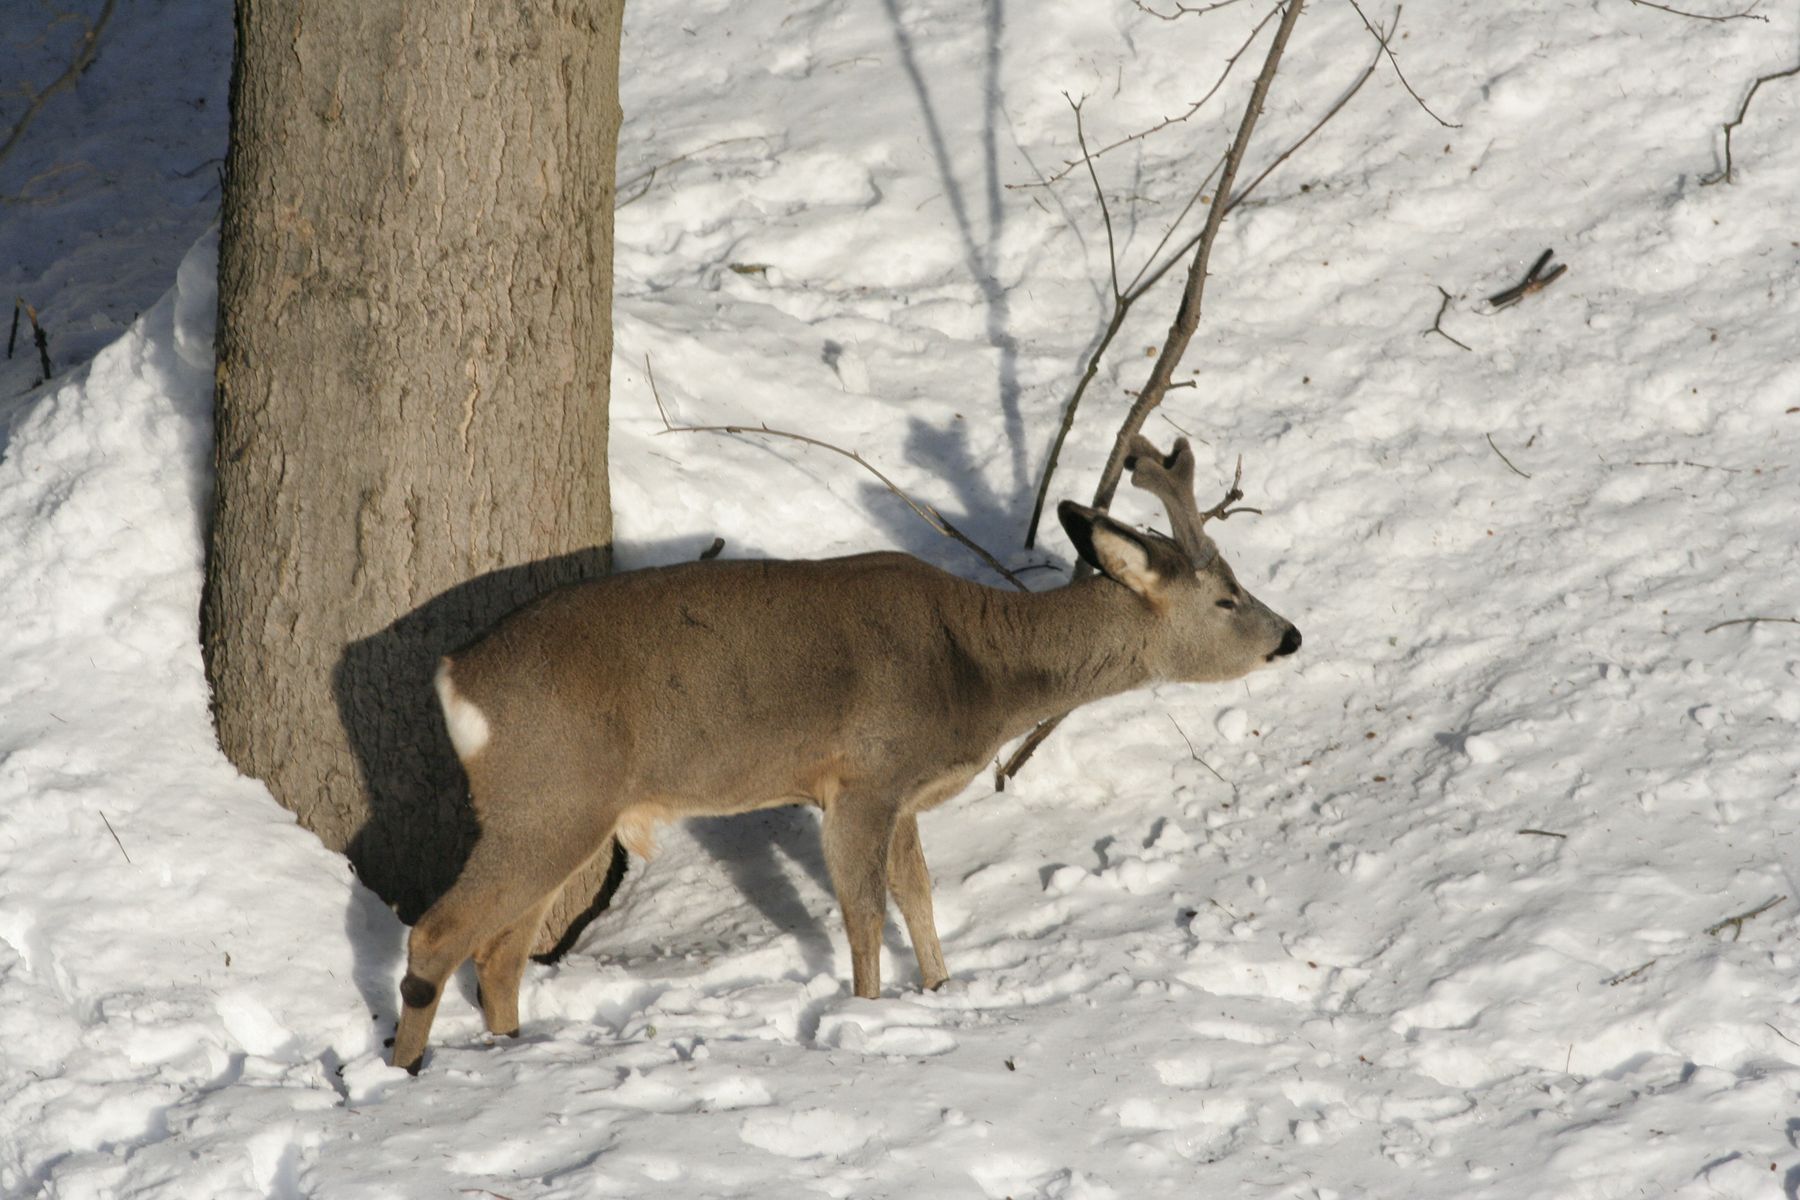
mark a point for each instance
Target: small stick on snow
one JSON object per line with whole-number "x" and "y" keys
{"x": 115, "y": 836}
{"x": 1753, "y": 621}
{"x": 930, "y": 515}
{"x": 1503, "y": 458}
{"x": 1536, "y": 280}
{"x": 1725, "y": 175}
{"x": 1194, "y": 754}
{"x": 1437, "y": 322}
{"x": 1626, "y": 976}
{"x": 1784, "y": 1037}
{"x": 1749, "y": 14}
{"x": 1682, "y": 462}
{"x": 1543, "y": 833}
{"x": 13, "y": 337}
{"x": 1737, "y": 923}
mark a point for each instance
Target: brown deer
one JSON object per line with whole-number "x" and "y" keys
{"x": 874, "y": 686}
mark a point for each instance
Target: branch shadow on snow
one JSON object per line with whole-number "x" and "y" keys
{"x": 981, "y": 254}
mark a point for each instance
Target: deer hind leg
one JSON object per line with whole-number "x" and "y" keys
{"x": 491, "y": 913}
{"x": 910, "y": 883}
{"x": 857, "y": 835}
{"x": 500, "y": 967}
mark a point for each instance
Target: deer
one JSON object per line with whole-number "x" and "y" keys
{"x": 874, "y": 686}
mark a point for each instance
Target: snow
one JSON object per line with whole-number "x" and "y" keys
{"x": 1437, "y": 908}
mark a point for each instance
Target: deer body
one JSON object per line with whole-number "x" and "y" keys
{"x": 874, "y": 686}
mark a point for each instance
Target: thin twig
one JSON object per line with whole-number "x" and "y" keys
{"x": 1437, "y": 322}
{"x": 1503, "y": 458}
{"x": 1737, "y": 923}
{"x": 1753, "y": 621}
{"x": 1749, "y": 14}
{"x": 1148, "y": 278}
{"x": 1624, "y": 976}
{"x": 1542, "y": 833}
{"x": 1112, "y": 249}
{"x": 84, "y": 57}
{"x": 931, "y": 516}
{"x": 1187, "y": 319}
{"x": 1682, "y": 462}
{"x": 1725, "y": 175}
{"x": 1231, "y": 62}
{"x": 648, "y": 176}
{"x": 39, "y": 338}
{"x": 1784, "y": 1037}
{"x": 13, "y": 337}
{"x": 1536, "y": 280}
{"x": 115, "y": 836}
{"x": 1388, "y": 50}
{"x": 1194, "y": 754}
{"x": 1182, "y": 10}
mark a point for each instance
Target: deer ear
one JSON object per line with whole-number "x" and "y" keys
{"x": 1115, "y": 550}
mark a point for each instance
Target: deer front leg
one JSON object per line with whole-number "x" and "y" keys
{"x": 858, "y": 832}
{"x": 910, "y": 882}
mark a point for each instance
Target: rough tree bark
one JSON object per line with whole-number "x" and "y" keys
{"x": 414, "y": 336}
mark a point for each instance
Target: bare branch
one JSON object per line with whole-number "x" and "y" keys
{"x": 1753, "y": 621}
{"x": 1182, "y": 10}
{"x": 1193, "y": 108}
{"x": 1112, "y": 250}
{"x": 1437, "y": 322}
{"x": 1389, "y": 51}
{"x": 1736, "y": 924}
{"x": 84, "y": 57}
{"x": 1503, "y": 458}
{"x": 1725, "y": 175}
{"x": 647, "y": 177}
{"x": 1187, "y": 319}
{"x": 930, "y": 515}
{"x": 1749, "y": 14}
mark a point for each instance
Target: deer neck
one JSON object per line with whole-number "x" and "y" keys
{"x": 1070, "y": 646}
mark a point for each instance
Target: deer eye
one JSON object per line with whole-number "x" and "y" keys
{"x": 1226, "y": 603}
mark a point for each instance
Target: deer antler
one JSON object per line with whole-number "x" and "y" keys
{"x": 1170, "y": 479}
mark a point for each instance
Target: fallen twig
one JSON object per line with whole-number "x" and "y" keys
{"x": 1437, "y": 322}
{"x": 84, "y": 57}
{"x": 1624, "y": 976}
{"x": 1536, "y": 280}
{"x": 1737, "y": 923}
{"x": 648, "y": 176}
{"x": 931, "y": 516}
{"x": 115, "y": 836}
{"x": 1749, "y": 14}
{"x": 1753, "y": 621}
{"x": 1725, "y": 175}
{"x": 1503, "y": 458}
{"x": 1543, "y": 833}
{"x": 38, "y": 337}
{"x": 1682, "y": 462}
{"x": 1182, "y": 10}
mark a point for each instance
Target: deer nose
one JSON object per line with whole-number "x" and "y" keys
{"x": 1290, "y": 642}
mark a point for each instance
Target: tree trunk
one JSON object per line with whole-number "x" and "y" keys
{"x": 415, "y": 291}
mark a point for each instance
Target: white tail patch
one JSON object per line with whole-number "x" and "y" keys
{"x": 637, "y": 825}
{"x": 467, "y": 724}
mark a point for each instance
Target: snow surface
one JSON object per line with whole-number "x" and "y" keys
{"x": 1438, "y": 915}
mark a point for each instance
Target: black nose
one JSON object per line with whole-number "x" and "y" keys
{"x": 1290, "y": 642}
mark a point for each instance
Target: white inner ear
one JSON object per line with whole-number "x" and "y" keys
{"x": 1125, "y": 560}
